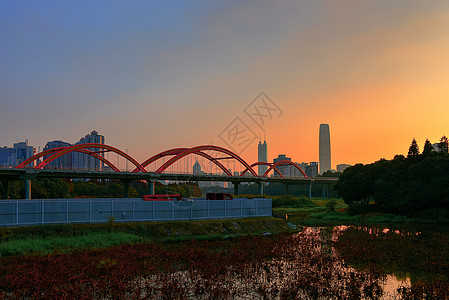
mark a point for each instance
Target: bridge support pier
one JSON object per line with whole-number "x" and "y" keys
{"x": 310, "y": 190}
{"x": 325, "y": 191}
{"x": 27, "y": 177}
{"x": 286, "y": 189}
{"x": 236, "y": 188}
{"x": 151, "y": 187}
{"x": 28, "y": 189}
{"x": 5, "y": 183}
{"x": 260, "y": 188}
{"x": 126, "y": 183}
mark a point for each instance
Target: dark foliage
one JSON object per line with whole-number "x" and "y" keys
{"x": 291, "y": 201}
{"x": 413, "y": 151}
{"x": 278, "y": 189}
{"x": 443, "y": 144}
{"x": 402, "y": 185}
{"x": 427, "y": 148}
{"x": 48, "y": 188}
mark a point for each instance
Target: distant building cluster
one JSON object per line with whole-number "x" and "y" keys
{"x": 11, "y": 157}
{"x": 312, "y": 169}
{"x": 198, "y": 171}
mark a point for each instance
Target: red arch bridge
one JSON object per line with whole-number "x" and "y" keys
{"x": 37, "y": 166}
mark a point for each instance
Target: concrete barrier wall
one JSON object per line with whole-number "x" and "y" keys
{"x": 34, "y": 212}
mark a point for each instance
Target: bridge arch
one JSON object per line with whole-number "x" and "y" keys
{"x": 198, "y": 149}
{"x": 285, "y": 162}
{"x": 176, "y": 151}
{"x": 262, "y": 163}
{"x": 54, "y": 150}
{"x": 91, "y": 145}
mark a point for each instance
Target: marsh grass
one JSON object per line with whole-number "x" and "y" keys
{"x": 291, "y": 201}
{"x": 67, "y": 237}
{"x": 64, "y": 244}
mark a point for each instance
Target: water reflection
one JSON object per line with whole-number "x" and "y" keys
{"x": 388, "y": 284}
{"x": 415, "y": 261}
{"x": 305, "y": 265}
{"x": 392, "y": 284}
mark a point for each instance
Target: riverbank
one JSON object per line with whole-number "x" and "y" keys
{"x": 289, "y": 215}
{"x": 68, "y": 237}
{"x": 318, "y": 212}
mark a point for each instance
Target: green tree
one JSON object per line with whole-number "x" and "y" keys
{"x": 355, "y": 185}
{"x": 443, "y": 144}
{"x": 427, "y": 148}
{"x": 413, "y": 151}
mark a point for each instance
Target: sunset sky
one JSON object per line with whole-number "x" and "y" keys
{"x": 155, "y": 75}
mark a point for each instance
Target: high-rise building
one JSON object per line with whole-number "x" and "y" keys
{"x": 325, "y": 148}
{"x": 197, "y": 168}
{"x": 6, "y": 156}
{"x": 23, "y": 152}
{"x": 62, "y": 162}
{"x": 284, "y": 169}
{"x": 262, "y": 155}
{"x": 84, "y": 161}
{"x": 302, "y": 165}
{"x": 311, "y": 169}
{"x": 10, "y": 157}
{"x": 197, "y": 171}
{"x": 342, "y": 167}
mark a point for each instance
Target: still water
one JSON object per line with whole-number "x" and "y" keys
{"x": 305, "y": 265}
{"x": 388, "y": 283}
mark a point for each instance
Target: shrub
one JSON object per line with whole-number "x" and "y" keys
{"x": 359, "y": 209}
{"x": 291, "y": 201}
{"x": 433, "y": 214}
{"x": 330, "y": 205}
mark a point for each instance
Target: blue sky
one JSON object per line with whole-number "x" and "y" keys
{"x": 153, "y": 75}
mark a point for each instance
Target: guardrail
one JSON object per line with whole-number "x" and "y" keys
{"x": 57, "y": 211}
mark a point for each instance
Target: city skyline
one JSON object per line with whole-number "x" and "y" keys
{"x": 76, "y": 160}
{"x": 152, "y": 76}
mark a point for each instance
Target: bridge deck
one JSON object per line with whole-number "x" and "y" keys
{"x": 21, "y": 174}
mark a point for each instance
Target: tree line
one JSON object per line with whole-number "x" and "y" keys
{"x": 404, "y": 185}
{"x": 47, "y": 188}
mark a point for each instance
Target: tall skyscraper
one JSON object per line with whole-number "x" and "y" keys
{"x": 262, "y": 155}
{"x": 325, "y": 148}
